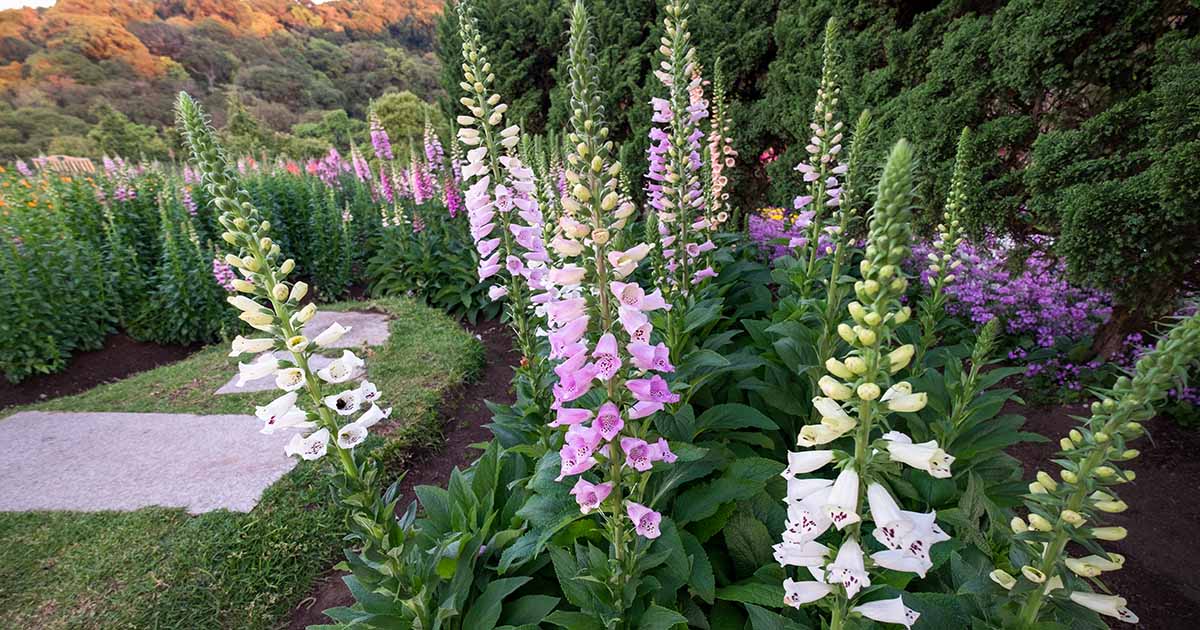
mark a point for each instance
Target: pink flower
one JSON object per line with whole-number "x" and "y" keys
{"x": 638, "y": 453}
{"x": 589, "y": 496}
{"x": 574, "y": 385}
{"x": 567, "y": 335}
{"x": 607, "y": 361}
{"x": 608, "y": 421}
{"x": 660, "y": 451}
{"x": 648, "y": 357}
{"x": 497, "y": 292}
{"x": 562, "y": 312}
{"x": 566, "y": 416}
{"x": 572, "y": 464}
{"x": 630, "y": 295}
{"x": 645, "y": 520}
{"x": 651, "y": 393}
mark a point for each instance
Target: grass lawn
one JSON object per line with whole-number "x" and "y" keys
{"x": 162, "y": 568}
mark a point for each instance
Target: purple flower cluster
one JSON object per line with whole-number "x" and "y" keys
{"x": 380, "y": 140}
{"x": 778, "y": 234}
{"x": 223, "y": 274}
{"x": 1034, "y": 299}
{"x": 188, "y": 201}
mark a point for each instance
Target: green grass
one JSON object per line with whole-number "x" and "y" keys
{"x": 162, "y": 568}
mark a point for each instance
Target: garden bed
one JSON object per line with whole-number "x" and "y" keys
{"x": 1164, "y": 505}
{"x": 163, "y": 567}
{"x": 120, "y": 357}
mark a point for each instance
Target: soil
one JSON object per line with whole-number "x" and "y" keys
{"x": 1159, "y": 578}
{"x": 463, "y": 416}
{"x": 120, "y": 357}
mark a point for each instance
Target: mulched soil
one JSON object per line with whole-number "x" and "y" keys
{"x": 1160, "y": 577}
{"x": 120, "y": 357}
{"x": 463, "y": 416}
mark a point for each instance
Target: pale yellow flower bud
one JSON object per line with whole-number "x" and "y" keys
{"x": 610, "y": 201}
{"x": 249, "y": 263}
{"x": 1082, "y": 569}
{"x": 838, "y": 369}
{"x": 1076, "y": 436}
{"x": 834, "y": 389}
{"x": 1130, "y": 454}
{"x": 1066, "y": 444}
{"x": 1111, "y": 534}
{"x": 1018, "y": 525}
{"x": 279, "y": 292}
{"x": 900, "y": 357}
{"x": 846, "y": 333}
{"x": 287, "y": 266}
{"x": 1039, "y": 523}
{"x": 872, "y": 319}
{"x": 233, "y": 261}
{"x": 243, "y": 286}
{"x": 1071, "y": 516}
{"x": 856, "y": 365}
{"x": 902, "y": 315}
{"x": 299, "y": 290}
{"x": 1069, "y": 476}
{"x": 866, "y": 337}
{"x": 306, "y": 313}
{"x": 856, "y": 311}
{"x": 1105, "y": 472}
{"x": 1047, "y": 481}
{"x": 1036, "y": 488}
{"x": 868, "y": 391}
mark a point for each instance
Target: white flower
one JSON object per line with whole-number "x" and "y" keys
{"x": 367, "y": 392}
{"x": 830, "y": 408}
{"x": 242, "y": 345}
{"x": 925, "y": 456}
{"x": 1110, "y": 605}
{"x": 848, "y": 569}
{"x": 843, "y": 499}
{"x": 373, "y": 415}
{"x": 800, "y": 489}
{"x": 289, "y": 379}
{"x": 805, "y": 554}
{"x": 890, "y": 524}
{"x": 282, "y": 413}
{"x": 245, "y": 304}
{"x": 800, "y": 463}
{"x": 796, "y": 594}
{"x": 331, "y": 334}
{"x": 341, "y": 369}
{"x": 899, "y": 397}
{"x": 351, "y": 435}
{"x": 311, "y": 447}
{"x": 807, "y": 518}
{"x": 345, "y": 403}
{"x": 888, "y": 611}
{"x": 263, "y": 366}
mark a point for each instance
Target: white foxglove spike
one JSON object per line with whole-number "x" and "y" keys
{"x": 805, "y": 554}
{"x": 1109, "y": 605}
{"x": 848, "y": 569}
{"x": 309, "y": 448}
{"x": 801, "y": 463}
{"x": 925, "y": 456}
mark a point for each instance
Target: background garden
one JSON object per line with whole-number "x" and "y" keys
{"x": 938, "y": 243}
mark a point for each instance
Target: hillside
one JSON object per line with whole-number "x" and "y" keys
{"x": 289, "y": 62}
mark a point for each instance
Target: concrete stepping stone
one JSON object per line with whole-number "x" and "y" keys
{"x": 126, "y": 461}
{"x": 265, "y": 383}
{"x": 365, "y": 328}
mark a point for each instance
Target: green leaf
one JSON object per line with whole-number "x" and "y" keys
{"x": 574, "y": 620}
{"x": 742, "y": 480}
{"x": 733, "y": 416}
{"x": 485, "y": 612}
{"x": 530, "y": 609}
{"x": 748, "y": 541}
{"x": 763, "y": 619}
{"x": 760, "y": 593}
{"x": 658, "y": 618}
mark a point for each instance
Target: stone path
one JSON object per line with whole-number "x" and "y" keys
{"x": 369, "y": 329}
{"x": 125, "y": 461}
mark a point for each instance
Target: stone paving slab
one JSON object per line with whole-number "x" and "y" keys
{"x": 365, "y": 328}
{"x": 315, "y": 362}
{"x": 125, "y": 461}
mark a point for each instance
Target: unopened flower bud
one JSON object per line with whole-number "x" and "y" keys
{"x": 1047, "y": 481}
{"x": 610, "y": 201}
{"x": 834, "y": 389}
{"x": 1076, "y": 436}
{"x": 856, "y": 365}
{"x": 597, "y": 163}
{"x": 1039, "y": 523}
{"x": 250, "y": 263}
{"x": 1036, "y": 488}
{"x": 902, "y": 315}
{"x": 868, "y": 391}
{"x": 230, "y": 238}
{"x": 299, "y": 290}
{"x": 1069, "y": 476}
{"x": 1071, "y": 516}
{"x": 243, "y": 286}
{"x": 287, "y": 266}
{"x": 1105, "y": 472}
{"x": 1111, "y": 534}
{"x": 233, "y": 261}
{"x": 871, "y": 287}
{"x": 1112, "y": 507}
{"x": 872, "y": 319}
{"x": 1101, "y": 437}
{"x": 846, "y": 333}
{"x": 838, "y": 369}
{"x": 856, "y": 311}
{"x": 279, "y": 292}
{"x": 866, "y": 337}
{"x": 1018, "y": 525}
{"x": 1066, "y": 444}
{"x": 1130, "y": 454}
{"x": 899, "y": 358}
{"x": 306, "y": 313}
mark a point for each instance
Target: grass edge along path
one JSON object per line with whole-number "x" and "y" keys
{"x": 160, "y": 567}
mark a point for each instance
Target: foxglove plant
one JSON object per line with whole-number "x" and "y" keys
{"x": 858, "y": 395}
{"x": 600, "y": 332}
{"x": 499, "y": 191}
{"x": 271, "y": 304}
{"x": 822, "y": 169}
{"x": 1073, "y": 508}
{"x": 721, "y": 154}
{"x": 944, "y": 257}
{"x": 675, "y": 189}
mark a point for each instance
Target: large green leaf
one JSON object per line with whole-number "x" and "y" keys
{"x": 760, "y": 593}
{"x": 658, "y": 618}
{"x": 743, "y": 479}
{"x": 485, "y": 612}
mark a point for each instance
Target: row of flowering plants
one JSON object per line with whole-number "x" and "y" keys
{"x": 699, "y": 440}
